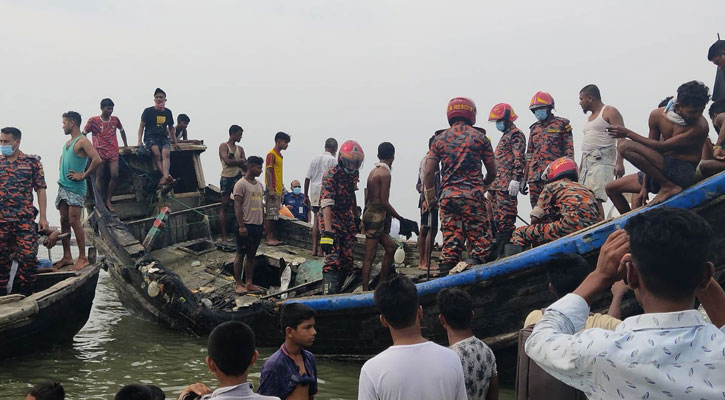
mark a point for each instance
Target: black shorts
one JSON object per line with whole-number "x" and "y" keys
{"x": 227, "y": 184}
{"x": 681, "y": 173}
{"x": 425, "y": 222}
{"x": 162, "y": 142}
{"x": 252, "y": 240}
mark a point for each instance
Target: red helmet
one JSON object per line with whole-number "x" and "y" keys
{"x": 541, "y": 99}
{"x": 462, "y": 107}
{"x": 563, "y": 167}
{"x": 502, "y": 111}
{"x": 351, "y": 155}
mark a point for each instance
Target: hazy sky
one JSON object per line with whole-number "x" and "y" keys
{"x": 371, "y": 71}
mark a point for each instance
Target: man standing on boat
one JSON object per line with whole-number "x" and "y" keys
{"x": 564, "y": 206}
{"x": 338, "y": 205}
{"x": 72, "y": 187}
{"x": 233, "y": 165}
{"x": 668, "y": 158}
{"x": 250, "y": 215}
{"x": 550, "y": 138}
{"x": 156, "y": 127}
{"x": 103, "y": 128}
{"x": 461, "y": 150}
{"x": 378, "y": 215}
{"x": 20, "y": 174}
{"x": 510, "y": 161}
{"x": 601, "y": 162}
{"x": 318, "y": 167}
{"x": 274, "y": 185}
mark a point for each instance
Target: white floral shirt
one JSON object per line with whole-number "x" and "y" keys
{"x": 479, "y": 366}
{"x": 651, "y": 356}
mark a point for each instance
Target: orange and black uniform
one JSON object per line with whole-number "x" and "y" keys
{"x": 18, "y": 231}
{"x": 461, "y": 150}
{"x": 510, "y": 161}
{"x": 549, "y": 140}
{"x": 565, "y": 206}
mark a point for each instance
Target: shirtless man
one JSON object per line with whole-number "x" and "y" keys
{"x": 668, "y": 157}
{"x": 378, "y": 214}
{"x": 716, "y": 163}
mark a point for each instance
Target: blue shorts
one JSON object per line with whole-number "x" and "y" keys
{"x": 227, "y": 184}
{"x": 162, "y": 142}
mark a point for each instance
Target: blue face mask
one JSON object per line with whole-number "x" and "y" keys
{"x": 541, "y": 114}
{"x": 501, "y": 125}
{"x": 296, "y": 190}
{"x": 349, "y": 171}
{"x": 7, "y": 150}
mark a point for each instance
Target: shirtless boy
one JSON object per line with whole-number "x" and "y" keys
{"x": 378, "y": 215}
{"x": 668, "y": 157}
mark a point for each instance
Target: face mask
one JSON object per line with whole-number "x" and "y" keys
{"x": 349, "y": 171}
{"x": 7, "y": 150}
{"x": 541, "y": 114}
{"x": 501, "y": 125}
{"x": 296, "y": 190}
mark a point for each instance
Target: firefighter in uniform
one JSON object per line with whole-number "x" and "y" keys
{"x": 20, "y": 174}
{"x": 550, "y": 138}
{"x": 510, "y": 161}
{"x": 565, "y": 206}
{"x": 461, "y": 150}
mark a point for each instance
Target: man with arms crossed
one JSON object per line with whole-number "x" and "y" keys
{"x": 233, "y": 165}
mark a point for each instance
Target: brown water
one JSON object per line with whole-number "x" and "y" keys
{"x": 115, "y": 348}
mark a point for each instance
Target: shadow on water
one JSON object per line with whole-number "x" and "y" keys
{"x": 115, "y": 348}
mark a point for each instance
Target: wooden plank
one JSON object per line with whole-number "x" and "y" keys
{"x": 199, "y": 171}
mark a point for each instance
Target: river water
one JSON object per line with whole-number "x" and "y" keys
{"x": 115, "y": 348}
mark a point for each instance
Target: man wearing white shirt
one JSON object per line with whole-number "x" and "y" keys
{"x": 668, "y": 352}
{"x": 413, "y": 367}
{"x": 313, "y": 183}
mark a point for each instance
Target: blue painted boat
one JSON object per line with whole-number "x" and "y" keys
{"x": 504, "y": 291}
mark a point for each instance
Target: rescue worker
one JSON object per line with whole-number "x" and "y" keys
{"x": 550, "y": 138}
{"x": 461, "y": 150}
{"x": 20, "y": 174}
{"x": 339, "y": 205}
{"x": 510, "y": 161}
{"x": 565, "y": 206}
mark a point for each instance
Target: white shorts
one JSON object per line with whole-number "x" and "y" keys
{"x": 314, "y": 197}
{"x": 598, "y": 169}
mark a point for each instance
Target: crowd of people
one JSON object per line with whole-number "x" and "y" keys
{"x": 661, "y": 255}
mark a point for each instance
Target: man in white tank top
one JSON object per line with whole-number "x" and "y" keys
{"x": 601, "y": 163}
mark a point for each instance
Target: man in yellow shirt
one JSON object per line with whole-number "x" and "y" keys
{"x": 273, "y": 179}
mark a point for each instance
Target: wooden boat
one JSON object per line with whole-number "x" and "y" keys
{"x": 51, "y": 316}
{"x": 187, "y": 286}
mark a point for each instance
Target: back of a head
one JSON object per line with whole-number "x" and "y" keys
{"x": 566, "y": 272}
{"x": 456, "y": 306}
{"x": 331, "y": 145}
{"x": 231, "y": 347}
{"x": 397, "y": 300}
{"x": 48, "y": 391}
{"x": 694, "y": 94}
{"x": 717, "y": 107}
{"x": 134, "y": 392}
{"x": 386, "y": 151}
{"x": 665, "y": 101}
{"x": 669, "y": 248}
{"x": 294, "y": 314}
{"x": 716, "y": 49}
{"x": 282, "y": 136}
{"x": 591, "y": 90}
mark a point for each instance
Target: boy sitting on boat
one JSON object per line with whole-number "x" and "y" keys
{"x": 668, "y": 158}
{"x": 248, "y": 195}
{"x": 564, "y": 206}
{"x": 291, "y": 372}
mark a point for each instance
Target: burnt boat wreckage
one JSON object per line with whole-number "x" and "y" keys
{"x": 184, "y": 281}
